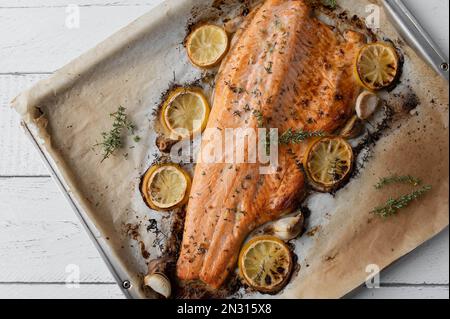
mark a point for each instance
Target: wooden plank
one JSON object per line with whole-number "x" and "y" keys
{"x": 37, "y": 225}
{"x": 59, "y": 291}
{"x": 426, "y": 264}
{"x": 406, "y": 292}
{"x": 54, "y": 202}
{"x": 64, "y": 3}
{"x": 17, "y": 156}
{"x": 112, "y": 291}
{"x": 40, "y": 40}
{"x": 38, "y": 36}
{"x": 40, "y": 235}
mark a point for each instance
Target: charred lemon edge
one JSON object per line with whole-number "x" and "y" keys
{"x": 175, "y": 93}
{"x": 147, "y": 177}
{"x": 317, "y": 184}
{"x": 219, "y": 59}
{"x": 356, "y": 70}
{"x": 247, "y": 246}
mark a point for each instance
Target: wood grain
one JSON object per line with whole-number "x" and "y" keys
{"x": 17, "y": 156}
{"x": 39, "y": 234}
{"x": 405, "y": 292}
{"x": 64, "y": 3}
{"x": 59, "y": 291}
{"x": 111, "y": 291}
{"x": 40, "y": 40}
{"x": 38, "y": 231}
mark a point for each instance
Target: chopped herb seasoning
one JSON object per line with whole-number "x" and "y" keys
{"x": 235, "y": 89}
{"x": 259, "y": 117}
{"x": 331, "y": 4}
{"x": 268, "y": 68}
{"x": 267, "y": 142}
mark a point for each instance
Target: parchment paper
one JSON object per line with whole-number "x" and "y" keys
{"x": 69, "y": 111}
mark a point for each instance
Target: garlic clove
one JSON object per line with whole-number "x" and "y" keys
{"x": 233, "y": 25}
{"x": 287, "y": 228}
{"x": 366, "y": 104}
{"x": 159, "y": 283}
{"x": 165, "y": 144}
{"x": 353, "y": 128}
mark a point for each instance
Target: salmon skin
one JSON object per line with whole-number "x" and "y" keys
{"x": 285, "y": 70}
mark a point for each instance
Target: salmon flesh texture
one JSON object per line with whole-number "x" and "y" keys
{"x": 294, "y": 72}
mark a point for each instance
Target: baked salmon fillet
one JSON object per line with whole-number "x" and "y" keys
{"x": 285, "y": 70}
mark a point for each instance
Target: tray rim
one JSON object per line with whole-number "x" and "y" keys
{"x": 113, "y": 265}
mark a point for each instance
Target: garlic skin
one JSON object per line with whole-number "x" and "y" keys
{"x": 366, "y": 104}
{"x": 159, "y": 283}
{"x": 233, "y": 25}
{"x": 287, "y": 228}
{"x": 165, "y": 144}
{"x": 352, "y": 129}
{"x": 157, "y": 279}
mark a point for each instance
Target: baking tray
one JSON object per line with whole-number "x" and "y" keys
{"x": 115, "y": 267}
{"x": 129, "y": 284}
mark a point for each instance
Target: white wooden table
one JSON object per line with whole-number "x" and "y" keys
{"x": 40, "y": 237}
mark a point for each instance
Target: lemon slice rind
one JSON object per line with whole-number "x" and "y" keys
{"x": 328, "y": 162}
{"x": 377, "y": 66}
{"x": 185, "y": 113}
{"x": 207, "y": 45}
{"x": 265, "y": 263}
{"x": 165, "y": 186}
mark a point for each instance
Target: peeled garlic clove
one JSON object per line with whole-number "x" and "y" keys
{"x": 287, "y": 228}
{"x": 366, "y": 104}
{"x": 159, "y": 283}
{"x": 352, "y": 129}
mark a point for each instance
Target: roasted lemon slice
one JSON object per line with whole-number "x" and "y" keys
{"x": 207, "y": 45}
{"x": 377, "y": 66}
{"x": 185, "y": 112}
{"x": 165, "y": 187}
{"x": 265, "y": 263}
{"x": 328, "y": 162}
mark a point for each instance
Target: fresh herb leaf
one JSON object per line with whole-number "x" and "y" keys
{"x": 259, "y": 117}
{"x": 137, "y": 139}
{"x": 268, "y": 141}
{"x": 392, "y": 205}
{"x": 112, "y": 140}
{"x": 330, "y": 4}
{"x": 296, "y": 137}
{"x": 396, "y": 179}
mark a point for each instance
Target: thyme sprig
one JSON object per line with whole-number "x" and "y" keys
{"x": 112, "y": 140}
{"x": 396, "y": 179}
{"x": 392, "y": 205}
{"x": 297, "y": 136}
